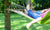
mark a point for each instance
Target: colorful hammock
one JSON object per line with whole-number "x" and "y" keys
{"x": 44, "y": 20}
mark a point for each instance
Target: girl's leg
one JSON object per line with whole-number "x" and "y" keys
{"x": 34, "y": 21}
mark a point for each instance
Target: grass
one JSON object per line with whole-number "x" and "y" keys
{"x": 18, "y": 22}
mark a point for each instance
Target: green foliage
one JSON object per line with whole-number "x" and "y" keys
{"x": 38, "y": 4}
{"x": 44, "y": 3}
{"x": 21, "y": 2}
{"x": 1, "y": 1}
{"x": 46, "y": 19}
{"x": 1, "y": 4}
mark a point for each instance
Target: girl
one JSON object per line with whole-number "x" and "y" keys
{"x": 37, "y": 18}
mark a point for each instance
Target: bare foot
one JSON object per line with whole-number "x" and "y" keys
{"x": 28, "y": 25}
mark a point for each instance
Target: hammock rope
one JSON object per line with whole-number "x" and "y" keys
{"x": 17, "y": 5}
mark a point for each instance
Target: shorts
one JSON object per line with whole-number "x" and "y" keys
{"x": 34, "y": 15}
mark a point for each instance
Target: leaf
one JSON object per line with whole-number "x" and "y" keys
{"x": 46, "y": 19}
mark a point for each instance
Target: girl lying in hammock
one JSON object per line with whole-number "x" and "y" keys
{"x": 37, "y": 16}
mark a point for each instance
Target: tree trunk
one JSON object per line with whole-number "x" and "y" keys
{"x": 7, "y": 15}
{"x": 7, "y": 20}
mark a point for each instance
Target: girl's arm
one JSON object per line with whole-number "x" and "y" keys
{"x": 34, "y": 21}
{"x": 28, "y": 6}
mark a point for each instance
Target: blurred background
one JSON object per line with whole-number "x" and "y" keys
{"x": 9, "y": 20}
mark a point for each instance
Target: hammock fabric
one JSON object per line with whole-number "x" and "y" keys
{"x": 22, "y": 13}
{"x": 45, "y": 13}
{"x": 45, "y": 19}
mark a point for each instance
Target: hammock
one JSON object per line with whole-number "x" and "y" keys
{"x": 21, "y": 13}
{"x": 45, "y": 19}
